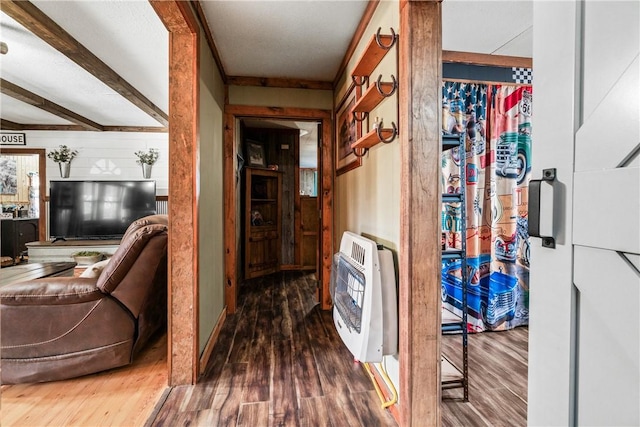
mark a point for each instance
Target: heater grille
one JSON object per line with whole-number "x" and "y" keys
{"x": 349, "y": 287}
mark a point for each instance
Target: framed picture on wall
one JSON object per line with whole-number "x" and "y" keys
{"x": 255, "y": 154}
{"x": 348, "y": 131}
{"x": 8, "y": 176}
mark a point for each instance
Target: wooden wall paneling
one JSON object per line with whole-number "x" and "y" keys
{"x": 420, "y": 63}
{"x": 183, "y": 347}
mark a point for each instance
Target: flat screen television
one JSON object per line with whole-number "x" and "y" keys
{"x": 98, "y": 209}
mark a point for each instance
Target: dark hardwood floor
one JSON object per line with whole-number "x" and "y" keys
{"x": 280, "y": 362}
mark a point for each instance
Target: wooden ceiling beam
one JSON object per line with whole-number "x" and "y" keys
{"x": 473, "y": 58}
{"x": 32, "y": 18}
{"x": 77, "y": 128}
{"x": 31, "y": 98}
{"x": 279, "y": 82}
{"x": 8, "y": 125}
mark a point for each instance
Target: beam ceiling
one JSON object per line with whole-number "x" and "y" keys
{"x": 33, "y": 19}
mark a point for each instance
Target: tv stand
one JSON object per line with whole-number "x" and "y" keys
{"x": 62, "y": 250}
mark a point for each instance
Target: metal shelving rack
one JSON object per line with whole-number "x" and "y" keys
{"x": 455, "y": 376}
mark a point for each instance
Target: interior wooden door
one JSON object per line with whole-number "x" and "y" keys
{"x": 606, "y": 217}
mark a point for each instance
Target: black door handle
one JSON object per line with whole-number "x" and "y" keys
{"x": 535, "y": 188}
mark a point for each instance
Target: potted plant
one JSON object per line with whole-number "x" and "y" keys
{"x": 87, "y": 257}
{"x": 146, "y": 159}
{"x": 63, "y": 156}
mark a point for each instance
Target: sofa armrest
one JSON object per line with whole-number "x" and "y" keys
{"x": 51, "y": 291}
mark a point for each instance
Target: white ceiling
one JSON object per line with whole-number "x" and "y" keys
{"x": 491, "y": 27}
{"x": 288, "y": 39}
{"x": 301, "y": 39}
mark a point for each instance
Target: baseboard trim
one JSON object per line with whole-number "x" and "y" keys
{"x": 208, "y": 349}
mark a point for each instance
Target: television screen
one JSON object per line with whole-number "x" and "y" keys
{"x": 98, "y": 209}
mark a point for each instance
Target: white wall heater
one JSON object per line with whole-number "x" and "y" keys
{"x": 365, "y": 306}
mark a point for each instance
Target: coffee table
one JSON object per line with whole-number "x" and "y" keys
{"x": 22, "y": 272}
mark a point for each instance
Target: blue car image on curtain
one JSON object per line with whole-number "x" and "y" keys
{"x": 496, "y": 120}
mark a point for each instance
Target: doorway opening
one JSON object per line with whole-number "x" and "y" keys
{"x": 262, "y": 139}
{"x": 22, "y": 197}
{"x": 280, "y": 229}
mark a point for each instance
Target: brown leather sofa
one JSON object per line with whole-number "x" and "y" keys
{"x": 64, "y": 327}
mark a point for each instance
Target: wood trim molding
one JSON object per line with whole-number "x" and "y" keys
{"x": 279, "y": 82}
{"x": 21, "y": 94}
{"x": 32, "y": 18}
{"x": 8, "y": 125}
{"x": 230, "y": 208}
{"x": 42, "y": 175}
{"x": 213, "y": 338}
{"x": 202, "y": 18}
{"x": 357, "y": 36}
{"x": 326, "y": 209}
{"x": 420, "y": 74}
{"x": 183, "y": 357}
{"x": 231, "y": 113}
{"x": 450, "y": 56}
{"x": 277, "y": 112}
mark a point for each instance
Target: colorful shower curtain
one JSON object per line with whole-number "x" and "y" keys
{"x": 496, "y": 121}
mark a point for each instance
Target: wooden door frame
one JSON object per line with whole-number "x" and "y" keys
{"x": 231, "y": 114}
{"x": 184, "y": 113}
{"x": 42, "y": 175}
{"x": 419, "y": 108}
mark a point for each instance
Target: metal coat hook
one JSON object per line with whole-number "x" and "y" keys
{"x": 355, "y": 152}
{"x": 394, "y": 133}
{"x": 394, "y": 86}
{"x": 379, "y": 40}
{"x": 359, "y": 80}
{"x": 365, "y": 114}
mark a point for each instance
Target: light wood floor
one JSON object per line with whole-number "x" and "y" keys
{"x": 120, "y": 397}
{"x": 497, "y": 380}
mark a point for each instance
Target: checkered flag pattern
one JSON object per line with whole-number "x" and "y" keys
{"x": 522, "y": 75}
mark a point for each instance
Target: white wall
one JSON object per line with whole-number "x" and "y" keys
{"x": 105, "y": 155}
{"x": 367, "y": 199}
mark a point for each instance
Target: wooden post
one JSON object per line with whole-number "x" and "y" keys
{"x": 183, "y": 207}
{"x": 420, "y": 222}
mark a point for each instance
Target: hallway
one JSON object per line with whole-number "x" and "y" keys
{"x": 278, "y": 361}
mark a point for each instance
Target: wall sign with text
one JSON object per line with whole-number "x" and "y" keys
{"x": 13, "y": 138}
